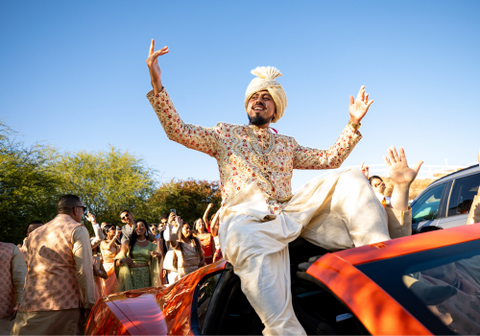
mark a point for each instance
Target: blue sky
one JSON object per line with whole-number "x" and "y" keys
{"x": 73, "y": 74}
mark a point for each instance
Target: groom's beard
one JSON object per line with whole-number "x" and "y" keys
{"x": 259, "y": 121}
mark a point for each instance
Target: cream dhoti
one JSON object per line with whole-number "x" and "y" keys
{"x": 336, "y": 212}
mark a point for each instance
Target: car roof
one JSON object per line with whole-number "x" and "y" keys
{"x": 459, "y": 173}
{"x": 410, "y": 244}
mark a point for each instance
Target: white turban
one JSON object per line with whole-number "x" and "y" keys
{"x": 266, "y": 81}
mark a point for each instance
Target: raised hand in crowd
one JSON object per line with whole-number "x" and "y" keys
{"x": 172, "y": 218}
{"x": 205, "y": 216}
{"x": 402, "y": 176}
{"x": 154, "y": 68}
{"x": 358, "y": 106}
{"x": 90, "y": 217}
{"x": 215, "y": 224}
{"x": 365, "y": 170}
{"x": 178, "y": 221}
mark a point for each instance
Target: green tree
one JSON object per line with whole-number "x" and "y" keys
{"x": 189, "y": 197}
{"x": 28, "y": 185}
{"x": 107, "y": 182}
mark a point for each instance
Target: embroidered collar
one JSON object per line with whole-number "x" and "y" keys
{"x": 253, "y": 141}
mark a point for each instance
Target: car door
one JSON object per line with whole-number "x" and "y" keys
{"x": 460, "y": 200}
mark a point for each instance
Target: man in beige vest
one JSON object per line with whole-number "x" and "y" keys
{"x": 12, "y": 279}
{"x": 31, "y": 227}
{"x": 59, "y": 288}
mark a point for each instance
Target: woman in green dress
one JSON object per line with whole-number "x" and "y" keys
{"x": 137, "y": 264}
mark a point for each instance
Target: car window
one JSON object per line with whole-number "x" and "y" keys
{"x": 331, "y": 317}
{"x": 463, "y": 192}
{"x": 205, "y": 292}
{"x": 426, "y": 208}
{"x": 450, "y": 290}
{"x": 439, "y": 287}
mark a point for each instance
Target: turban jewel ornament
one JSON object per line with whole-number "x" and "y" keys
{"x": 266, "y": 81}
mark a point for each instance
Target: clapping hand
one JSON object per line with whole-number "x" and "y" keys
{"x": 397, "y": 166}
{"x": 359, "y": 106}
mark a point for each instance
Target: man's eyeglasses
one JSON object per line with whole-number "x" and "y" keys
{"x": 124, "y": 217}
{"x": 81, "y": 207}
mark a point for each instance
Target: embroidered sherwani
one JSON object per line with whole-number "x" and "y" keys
{"x": 244, "y": 157}
{"x": 259, "y": 214}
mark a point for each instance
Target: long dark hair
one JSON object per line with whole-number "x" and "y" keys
{"x": 107, "y": 228}
{"x": 195, "y": 231}
{"x": 196, "y": 242}
{"x": 133, "y": 238}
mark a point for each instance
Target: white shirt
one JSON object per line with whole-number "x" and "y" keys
{"x": 381, "y": 197}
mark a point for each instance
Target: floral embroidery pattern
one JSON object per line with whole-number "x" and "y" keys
{"x": 239, "y": 164}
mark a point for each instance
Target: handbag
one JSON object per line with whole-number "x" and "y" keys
{"x": 170, "y": 263}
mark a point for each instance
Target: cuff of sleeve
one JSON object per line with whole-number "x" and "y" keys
{"x": 354, "y": 126}
{"x": 399, "y": 222}
{"x": 151, "y": 94}
{"x": 355, "y": 132}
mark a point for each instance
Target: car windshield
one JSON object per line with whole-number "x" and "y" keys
{"x": 440, "y": 287}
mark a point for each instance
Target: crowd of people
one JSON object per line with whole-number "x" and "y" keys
{"x": 135, "y": 255}
{"x": 49, "y": 277}
{"x": 140, "y": 255}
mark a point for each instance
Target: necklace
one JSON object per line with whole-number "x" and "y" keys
{"x": 260, "y": 152}
{"x": 141, "y": 241}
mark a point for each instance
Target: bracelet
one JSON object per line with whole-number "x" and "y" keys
{"x": 353, "y": 125}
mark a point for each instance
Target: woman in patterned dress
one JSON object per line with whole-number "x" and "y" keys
{"x": 206, "y": 240}
{"x": 137, "y": 264}
{"x": 109, "y": 250}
